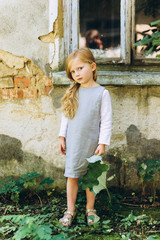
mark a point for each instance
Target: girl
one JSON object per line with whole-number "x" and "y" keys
{"x": 85, "y": 127}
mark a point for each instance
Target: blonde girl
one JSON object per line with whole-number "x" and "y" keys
{"x": 85, "y": 127}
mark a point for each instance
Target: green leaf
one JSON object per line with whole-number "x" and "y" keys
{"x": 47, "y": 181}
{"x": 101, "y": 185}
{"x": 156, "y": 42}
{"x": 145, "y": 41}
{"x": 94, "y": 159}
{"x": 153, "y": 237}
{"x": 157, "y": 22}
{"x": 144, "y": 166}
{"x": 150, "y": 51}
{"x": 94, "y": 171}
{"x": 106, "y": 222}
{"x": 61, "y": 236}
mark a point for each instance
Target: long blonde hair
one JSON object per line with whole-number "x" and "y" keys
{"x": 70, "y": 99}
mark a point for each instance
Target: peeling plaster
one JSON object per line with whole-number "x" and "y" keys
{"x": 55, "y": 37}
{"x": 12, "y": 61}
{"x": 57, "y": 27}
{"x": 19, "y": 66}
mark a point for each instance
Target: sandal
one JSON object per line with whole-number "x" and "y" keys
{"x": 93, "y": 218}
{"x": 67, "y": 220}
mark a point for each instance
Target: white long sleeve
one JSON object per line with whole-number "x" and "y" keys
{"x": 64, "y": 125}
{"x": 105, "y": 120}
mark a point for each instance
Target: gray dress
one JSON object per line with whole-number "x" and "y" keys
{"x": 83, "y": 132}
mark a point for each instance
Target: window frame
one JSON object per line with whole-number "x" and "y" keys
{"x": 127, "y": 31}
{"x": 143, "y": 60}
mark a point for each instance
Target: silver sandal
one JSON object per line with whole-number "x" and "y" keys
{"x": 94, "y": 218}
{"x": 67, "y": 220}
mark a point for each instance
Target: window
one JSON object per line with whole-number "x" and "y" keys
{"x": 115, "y": 25}
{"x": 100, "y": 30}
{"x": 146, "y": 11}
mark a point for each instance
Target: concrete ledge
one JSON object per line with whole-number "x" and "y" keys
{"x": 115, "y": 78}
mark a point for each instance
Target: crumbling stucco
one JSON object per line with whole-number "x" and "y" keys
{"x": 19, "y": 66}
{"x": 21, "y": 24}
{"x": 57, "y": 27}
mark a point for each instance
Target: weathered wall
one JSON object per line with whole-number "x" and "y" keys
{"x": 136, "y": 131}
{"x": 30, "y": 111}
{"x": 22, "y": 22}
{"x": 30, "y": 121}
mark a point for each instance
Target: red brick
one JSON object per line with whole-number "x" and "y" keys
{"x": 48, "y": 82}
{"x": 5, "y": 94}
{"x": 29, "y": 93}
{"x": 13, "y": 93}
{"x": 46, "y": 90}
{"x": 22, "y": 82}
{"x": 9, "y": 93}
{"x": 18, "y": 93}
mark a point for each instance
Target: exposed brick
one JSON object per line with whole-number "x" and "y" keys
{"x": 48, "y": 82}
{"x": 4, "y": 94}
{"x": 6, "y": 82}
{"x": 8, "y": 93}
{"x": 22, "y": 82}
{"x": 18, "y": 93}
{"x": 13, "y": 93}
{"x": 46, "y": 91}
{"x": 29, "y": 93}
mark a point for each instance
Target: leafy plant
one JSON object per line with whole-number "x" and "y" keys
{"x": 26, "y": 226}
{"x": 147, "y": 171}
{"x": 11, "y": 188}
{"x": 152, "y": 42}
{"x": 127, "y": 222}
{"x": 153, "y": 237}
{"x": 95, "y": 178}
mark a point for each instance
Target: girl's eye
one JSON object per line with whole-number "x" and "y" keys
{"x": 80, "y": 68}
{"x": 72, "y": 72}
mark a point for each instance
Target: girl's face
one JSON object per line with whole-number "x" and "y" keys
{"x": 82, "y": 72}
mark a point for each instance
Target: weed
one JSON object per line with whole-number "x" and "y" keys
{"x": 10, "y": 188}
{"x": 147, "y": 171}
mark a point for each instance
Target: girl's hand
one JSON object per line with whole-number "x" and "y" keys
{"x": 62, "y": 145}
{"x": 100, "y": 149}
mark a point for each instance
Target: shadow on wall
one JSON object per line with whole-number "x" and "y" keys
{"x": 124, "y": 160}
{"x": 15, "y": 161}
{"x": 142, "y": 147}
{"x": 10, "y": 148}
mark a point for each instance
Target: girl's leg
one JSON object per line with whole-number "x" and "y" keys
{"x": 72, "y": 190}
{"x": 90, "y": 205}
{"x": 90, "y": 199}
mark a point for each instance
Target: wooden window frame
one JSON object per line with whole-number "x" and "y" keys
{"x": 71, "y": 30}
{"x": 127, "y": 30}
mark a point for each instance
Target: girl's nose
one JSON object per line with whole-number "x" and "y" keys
{"x": 76, "y": 73}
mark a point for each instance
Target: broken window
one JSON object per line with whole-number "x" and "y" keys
{"x": 100, "y": 27}
{"x": 111, "y": 28}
